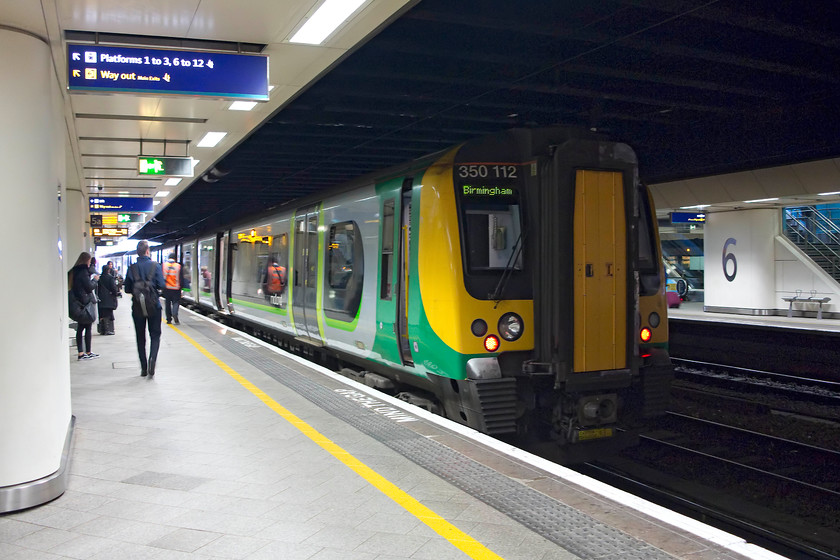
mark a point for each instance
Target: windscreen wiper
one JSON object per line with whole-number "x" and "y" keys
{"x": 508, "y": 271}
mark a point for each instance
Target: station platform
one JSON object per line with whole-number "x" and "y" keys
{"x": 693, "y": 310}
{"x": 235, "y": 449}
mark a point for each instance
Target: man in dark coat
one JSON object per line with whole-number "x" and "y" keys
{"x": 141, "y": 270}
{"x": 108, "y": 295}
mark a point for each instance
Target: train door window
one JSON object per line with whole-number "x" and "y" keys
{"x": 187, "y": 261}
{"x": 345, "y": 266}
{"x": 206, "y": 264}
{"x": 387, "y": 271}
{"x": 300, "y": 251}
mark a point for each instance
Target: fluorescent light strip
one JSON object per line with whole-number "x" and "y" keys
{"x": 162, "y": 194}
{"x": 696, "y": 206}
{"x": 325, "y": 20}
{"x": 242, "y": 105}
{"x": 828, "y": 193}
{"x": 761, "y": 200}
{"x": 172, "y": 181}
{"x": 211, "y": 139}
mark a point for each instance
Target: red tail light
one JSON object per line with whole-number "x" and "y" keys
{"x": 491, "y": 343}
{"x": 645, "y": 334}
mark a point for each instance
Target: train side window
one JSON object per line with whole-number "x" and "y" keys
{"x": 387, "y": 249}
{"x": 345, "y": 271}
{"x": 648, "y": 255}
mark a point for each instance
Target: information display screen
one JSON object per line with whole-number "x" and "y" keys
{"x": 110, "y": 231}
{"x": 174, "y": 72}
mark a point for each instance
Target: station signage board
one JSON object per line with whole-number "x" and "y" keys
{"x": 109, "y": 231}
{"x": 121, "y": 204}
{"x": 165, "y": 166}
{"x": 115, "y": 69}
{"x": 688, "y": 217}
{"x": 99, "y": 242}
{"x": 96, "y": 220}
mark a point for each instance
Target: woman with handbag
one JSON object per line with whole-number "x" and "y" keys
{"x": 107, "y": 292}
{"x": 81, "y": 287}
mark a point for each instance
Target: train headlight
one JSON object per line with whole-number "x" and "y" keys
{"x": 510, "y": 326}
{"x": 491, "y": 343}
{"x": 646, "y": 334}
{"x": 479, "y": 327}
{"x": 653, "y": 319}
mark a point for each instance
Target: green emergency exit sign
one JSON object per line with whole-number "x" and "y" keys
{"x": 129, "y": 218}
{"x": 165, "y": 166}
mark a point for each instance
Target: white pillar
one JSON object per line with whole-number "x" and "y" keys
{"x": 35, "y": 415}
{"x": 740, "y": 267}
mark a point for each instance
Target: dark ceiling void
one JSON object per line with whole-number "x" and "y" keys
{"x": 696, "y": 87}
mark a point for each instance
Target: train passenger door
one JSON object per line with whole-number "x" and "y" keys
{"x": 403, "y": 275}
{"x": 600, "y": 272}
{"x": 305, "y": 273}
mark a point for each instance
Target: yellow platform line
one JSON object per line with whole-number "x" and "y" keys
{"x": 438, "y": 524}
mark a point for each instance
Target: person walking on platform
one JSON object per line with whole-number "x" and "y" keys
{"x": 143, "y": 280}
{"x": 173, "y": 274}
{"x": 81, "y": 285}
{"x": 108, "y": 294}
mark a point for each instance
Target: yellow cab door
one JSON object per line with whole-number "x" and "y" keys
{"x": 600, "y": 269}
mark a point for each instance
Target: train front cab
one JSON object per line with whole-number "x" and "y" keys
{"x": 578, "y": 368}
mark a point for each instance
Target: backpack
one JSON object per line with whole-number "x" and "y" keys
{"x": 144, "y": 292}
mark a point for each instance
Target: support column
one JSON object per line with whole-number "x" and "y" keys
{"x": 35, "y": 414}
{"x": 740, "y": 272}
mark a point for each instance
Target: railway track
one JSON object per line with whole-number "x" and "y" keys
{"x": 781, "y": 493}
{"x": 744, "y": 380}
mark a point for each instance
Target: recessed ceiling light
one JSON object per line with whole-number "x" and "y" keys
{"x": 325, "y": 20}
{"x": 761, "y": 200}
{"x": 155, "y": 202}
{"x": 211, "y": 139}
{"x": 162, "y": 194}
{"x": 123, "y": 192}
{"x": 242, "y": 105}
{"x": 172, "y": 181}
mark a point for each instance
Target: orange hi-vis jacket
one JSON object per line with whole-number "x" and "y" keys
{"x": 276, "y": 279}
{"x": 172, "y": 275}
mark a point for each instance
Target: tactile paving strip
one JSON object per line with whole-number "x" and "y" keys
{"x": 567, "y": 527}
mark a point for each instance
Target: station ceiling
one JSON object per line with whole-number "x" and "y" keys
{"x": 698, "y": 88}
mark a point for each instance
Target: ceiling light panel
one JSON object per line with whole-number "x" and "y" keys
{"x": 211, "y": 139}
{"x": 326, "y": 19}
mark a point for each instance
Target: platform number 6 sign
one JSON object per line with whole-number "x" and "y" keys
{"x": 727, "y": 257}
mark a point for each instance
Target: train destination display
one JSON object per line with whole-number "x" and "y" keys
{"x": 99, "y": 68}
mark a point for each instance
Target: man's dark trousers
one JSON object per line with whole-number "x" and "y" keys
{"x": 140, "y": 322}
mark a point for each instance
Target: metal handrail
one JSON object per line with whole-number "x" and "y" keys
{"x": 806, "y": 231}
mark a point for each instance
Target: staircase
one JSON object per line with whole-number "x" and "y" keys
{"x": 816, "y": 235}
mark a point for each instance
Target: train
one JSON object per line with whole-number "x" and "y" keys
{"x": 512, "y": 283}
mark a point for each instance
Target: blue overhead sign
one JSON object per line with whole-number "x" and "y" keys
{"x": 688, "y": 217}
{"x": 157, "y": 71}
{"x": 120, "y": 204}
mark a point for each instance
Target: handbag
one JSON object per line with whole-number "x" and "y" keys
{"x": 88, "y": 313}
{"x": 82, "y": 313}
{"x": 74, "y": 306}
